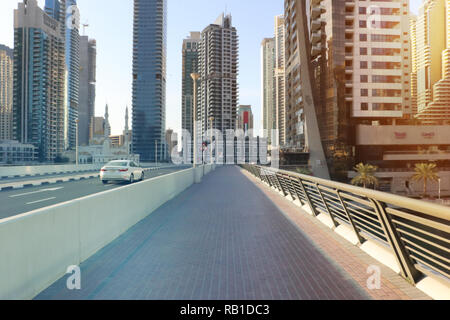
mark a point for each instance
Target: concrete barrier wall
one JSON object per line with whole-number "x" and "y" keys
{"x": 37, "y": 247}
{"x": 35, "y": 170}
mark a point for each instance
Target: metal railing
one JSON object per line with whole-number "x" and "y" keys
{"x": 417, "y": 232}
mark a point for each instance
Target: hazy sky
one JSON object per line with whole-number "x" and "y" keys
{"x": 110, "y": 23}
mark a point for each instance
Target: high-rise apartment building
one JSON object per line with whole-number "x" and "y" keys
{"x": 97, "y": 128}
{"x": 279, "y": 79}
{"x": 432, "y": 63}
{"x": 301, "y": 98}
{"x": 149, "y": 78}
{"x": 6, "y": 92}
{"x": 38, "y": 94}
{"x": 66, "y": 12}
{"x": 218, "y": 69}
{"x": 171, "y": 143}
{"x": 245, "y": 118}
{"x": 360, "y": 55}
{"x": 267, "y": 87}
{"x": 190, "y": 53}
{"x": 414, "y": 65}
{"x": 73, "y": 71}
{"x": 381, "y": 70}
{"x": 86, "y": 109}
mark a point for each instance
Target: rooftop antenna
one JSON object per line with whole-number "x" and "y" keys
{"x": 84, "y": 28}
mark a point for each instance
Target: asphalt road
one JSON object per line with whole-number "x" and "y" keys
{"x": 32, "y": 178}
{"x": 20, "y": 201}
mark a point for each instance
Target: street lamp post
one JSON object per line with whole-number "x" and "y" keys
{"x": 77, "y": 159}
{"x": 195, "y": 77}
{"x": 211, "y": 140}
{"x": 156, "y": 152}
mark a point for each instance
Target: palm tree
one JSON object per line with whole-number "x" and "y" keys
{"x": 366, "y": 175}
{"x": 304, "y": 171}
{"x": 425, "y": 172}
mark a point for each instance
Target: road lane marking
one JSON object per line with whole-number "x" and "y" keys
{"x": 34, "y": 192}
{"x": 41, "y": 200}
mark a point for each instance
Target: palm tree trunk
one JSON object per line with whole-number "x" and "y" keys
{"x": 425, "y": 187}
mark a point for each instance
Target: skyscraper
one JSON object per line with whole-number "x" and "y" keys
{"x": 6, "y": 92}
{"x": 149, "y": 78}
{"x": 279, "y": 85}
{"x": 66, "y": 12}
{"x": 38, "y": 94}
{"x": 302, "y": 129}
{"x": 267, "y": 87}
{"x": 190, "y": 53}
{"x": 414, "y": 65}
{"x": 433, "y": 62}
{"x": 86, "y": 110}
{"x": 360, "y": 57}
{"x": 245, "y": 118}
{"x": 218, "y": 69}
{"x": 73, "y": 71}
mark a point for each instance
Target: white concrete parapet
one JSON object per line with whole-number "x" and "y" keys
{"x": 37, "y": 247}
{"x": 48, "y": 169}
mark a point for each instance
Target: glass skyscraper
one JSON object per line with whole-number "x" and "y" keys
{"x": 38, "y": 90}
{"x": 66, "y": 12}
{"x": 149, "y": 78}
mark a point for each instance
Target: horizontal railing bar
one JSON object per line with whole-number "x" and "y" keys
{"x": 335, "y": 206}
{"x": 418, "y": 258}
{"x": 361, "y": 225}
{"x": 445, "y": 279}
{"x": 315, "y": 197}
{"x": 372, "y": 212}
{"x": 421, "y": 231}
{"x": 344, "y": 222}
{"x": 425, "y": 250}
{"x": 368, "y": 236}
{"x": 330, "y": 197}
{"x": 364, "y": 214}
{"x": 343, "y": 216}
{"x": 423, "y": 221}
{"x": 327, "y": 189}
{"x": 357, "y": 200}
{"x": 402, "y": 231}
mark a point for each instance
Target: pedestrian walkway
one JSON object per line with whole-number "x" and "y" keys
{"x": 221, "y": 239}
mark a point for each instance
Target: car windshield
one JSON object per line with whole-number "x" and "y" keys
{"x": 118, "y": 164}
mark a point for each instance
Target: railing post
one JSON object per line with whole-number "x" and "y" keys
{"x": 327, "y": 207}
{"x": 257, "y": 173}
{"x": 280, "y": 185}
{"x": 406, "y": 265}
{"x": 313, "y": 210}
{"x": 265, "y": 177}
{"x": 253, "y": 170}
{"x": 350, "y": 219}
{"x": 295, "y": 190}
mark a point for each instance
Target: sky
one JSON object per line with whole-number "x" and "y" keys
{"x": 111, "y": 24}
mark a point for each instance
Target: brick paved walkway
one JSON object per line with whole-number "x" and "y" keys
{"x": 221, "y": 239}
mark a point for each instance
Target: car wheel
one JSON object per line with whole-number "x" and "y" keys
{"x": 131, "y": 178}
{"x": 105, "y": 181}
{"x": 142, "y": 176}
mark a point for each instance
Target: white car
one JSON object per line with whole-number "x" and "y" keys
{"x": 121, "y": 170}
